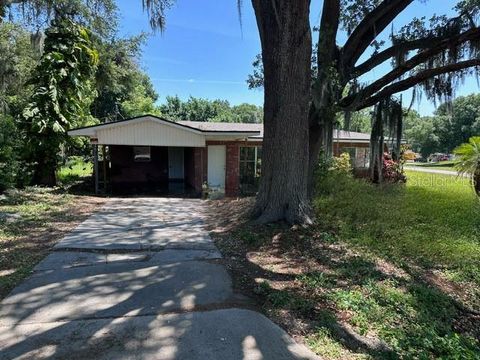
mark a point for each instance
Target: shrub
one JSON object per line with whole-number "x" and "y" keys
{"x": 469, "y": 161}
{"x": 392, "y": 170}
{"x": 342, "y": 164}
{"x": 13, "y": 170}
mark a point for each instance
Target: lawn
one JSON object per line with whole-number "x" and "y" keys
{"x": 388, "y": 272}
{"x": 31, "y": 222}
{"x": 433, "y": 220}
{"x": 74, "y": 170}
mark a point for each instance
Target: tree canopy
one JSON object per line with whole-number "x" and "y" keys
{"x": 452, "y": 124}
{"x": 41, "y": 96}
{"x": 198, "y": 109}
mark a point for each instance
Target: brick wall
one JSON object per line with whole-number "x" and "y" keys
{"x": 200, "y": 168}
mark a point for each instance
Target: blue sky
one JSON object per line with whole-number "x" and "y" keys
{"x": 205, "y": 53}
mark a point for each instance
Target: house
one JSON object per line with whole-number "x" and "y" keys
{"x": 151, "y": 154}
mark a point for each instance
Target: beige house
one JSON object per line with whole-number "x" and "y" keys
{"x": 151, "y": 154}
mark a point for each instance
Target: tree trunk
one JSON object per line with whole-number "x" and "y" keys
{"x": 320, "y": 139}
{"x": 44, "y": 172}
{"x": 325, "y": 90}
{"x": 43, "y": 154}
{"x": 286, "y": 53}
{"x": 476, "y": 181}
{"x": 377, "y": 147}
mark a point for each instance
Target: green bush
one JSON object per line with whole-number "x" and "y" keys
{"x": 13, "y": 170}
{"x": 342, "y": 164}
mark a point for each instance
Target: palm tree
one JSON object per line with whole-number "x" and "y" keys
{"x": 469, "y": 160}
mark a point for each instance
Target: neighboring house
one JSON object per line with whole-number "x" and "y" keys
{"x": 150, "y": 154}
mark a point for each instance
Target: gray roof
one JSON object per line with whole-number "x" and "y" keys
{"x": 224, "y": 126}
{"x": 217, "y": 127}
{"x": 350, "y": 135}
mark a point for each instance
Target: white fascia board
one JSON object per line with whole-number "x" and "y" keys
{"x": 363, "y": 141}
{"x": 91, "y": 131}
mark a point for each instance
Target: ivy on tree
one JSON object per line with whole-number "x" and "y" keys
{"x": 63, "y": 92}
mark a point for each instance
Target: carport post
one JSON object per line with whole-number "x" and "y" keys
{"x": 95, "y": 166}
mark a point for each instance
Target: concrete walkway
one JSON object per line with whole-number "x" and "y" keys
{"x": 137, "y": 280}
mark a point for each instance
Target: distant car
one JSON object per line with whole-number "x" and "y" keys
{"x": 409, "y": 156}
{"x": 438, "y": 157}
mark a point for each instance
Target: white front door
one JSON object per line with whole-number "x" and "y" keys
{"x": 216, "y": 166}
{"x": 175, "y": 163}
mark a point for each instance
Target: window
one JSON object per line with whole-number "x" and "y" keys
{"x": 359, "y": 156}
{"x": 362, "y": 159}
{"x": 141, "y": 153}
{"x": 250, "y": 168}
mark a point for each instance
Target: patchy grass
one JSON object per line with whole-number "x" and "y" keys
{"x": 31, "y": 222}
{"x": 388, "y": 272}
{"x": 75, "y": 170}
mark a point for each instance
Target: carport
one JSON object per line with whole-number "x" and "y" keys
{"x": 148, "y": 154}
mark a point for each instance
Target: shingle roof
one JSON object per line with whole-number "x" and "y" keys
{"x": 223, "y": 126}
{"x": 348, "y": 135}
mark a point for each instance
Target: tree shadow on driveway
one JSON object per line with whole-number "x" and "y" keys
{"x": 135, "y": 310}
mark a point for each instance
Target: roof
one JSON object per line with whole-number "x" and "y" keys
{"x": 223, "y": 126}
{"x": 350, "y": 135}
{"x": 252, "y": 131}
{"x": 190, "y": 125}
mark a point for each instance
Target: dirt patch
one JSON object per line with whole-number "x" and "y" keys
{"x": 41, "y": 218}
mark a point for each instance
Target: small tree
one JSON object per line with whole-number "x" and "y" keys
{"x": 63, "y": 92}
{"x": 469, "y": 163}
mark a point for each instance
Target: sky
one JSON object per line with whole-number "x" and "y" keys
{"x": 204, "y": 52}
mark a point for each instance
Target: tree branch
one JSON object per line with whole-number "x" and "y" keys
{"x": 328, "y": 31}
{"x": 414, "y": 80}
{"x": 327, "y": 50}
{"x": 469, "y": 35}
{"x": 368, "y": 29}
{"x": 386, "y": 54}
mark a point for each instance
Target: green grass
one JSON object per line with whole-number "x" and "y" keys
{"x": 414, "y": 320}
{"x": 430, "y": 224}
{"x": 432, "y": 221}
{"x": 388, "y": 272}
{"x": 76, "y": 169}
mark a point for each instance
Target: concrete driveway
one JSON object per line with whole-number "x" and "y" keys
{"x": 137, "y": 280}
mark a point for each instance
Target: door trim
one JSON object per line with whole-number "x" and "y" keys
{"x": 214, "y": 169}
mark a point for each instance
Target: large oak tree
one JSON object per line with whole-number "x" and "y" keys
{"x": 430, "y": 56}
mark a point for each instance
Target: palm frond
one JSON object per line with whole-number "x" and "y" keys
{"x": 469, "y": 156}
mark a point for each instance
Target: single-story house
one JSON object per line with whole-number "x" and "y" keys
{"x": 148, "y": 153}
